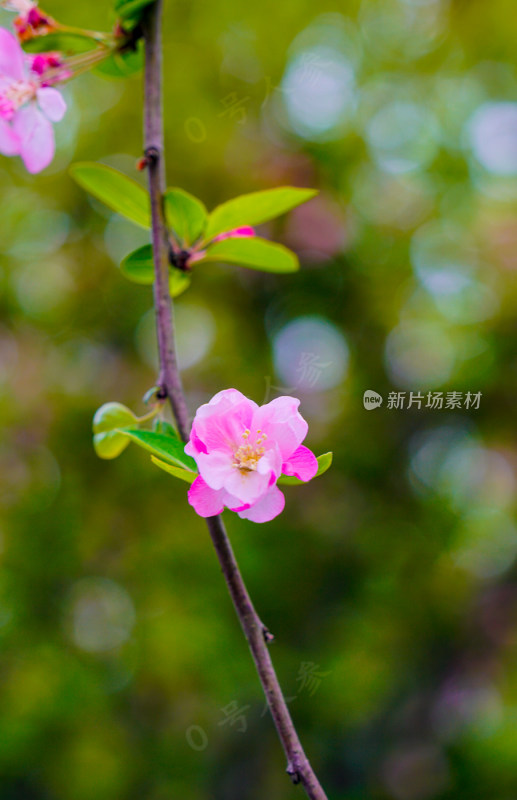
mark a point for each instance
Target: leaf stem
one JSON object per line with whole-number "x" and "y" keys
{"x": 257, "y": 635}
{"x": 150, "y": 414}
{"x": 102, "y": 38}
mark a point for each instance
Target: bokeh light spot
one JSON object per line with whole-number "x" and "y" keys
{"x": 492, "y": 132}
{"x": 101, "y": 615}
{"x": 310, "y": 354}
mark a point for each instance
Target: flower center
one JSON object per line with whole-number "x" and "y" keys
{"x": 15, "y": 95}
{"x": 247, "y": 456}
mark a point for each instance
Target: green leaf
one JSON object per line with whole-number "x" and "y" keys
{"x": 162, "y": 426}
{"x": 178, "y": 282}
{"x": 131, "y": 9}
{"x": 255, "y": 208}
{"x": 324, "y": 462}
{"x": 116, "y": 190}
{"x": 122, "y": 64}
{"x": 138, "y": 267}
{"x": 253, "y": 252}
{"x": 183, "y": 474}
{"x": 186, "y": 215}
{"x": 110, "y": 444}
{"x": 111, "y": 416}
{"x": 107, "y": 422}
{"x": 163, "y": 446}
{"x": 69, "y": 43}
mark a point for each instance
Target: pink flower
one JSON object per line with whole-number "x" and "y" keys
{"x": 31, "y": 22}
{"x": 20, "y": 6}
{"x": 27, "y": 108}
{"x": 43, "y": 63}
{"x": 241, "y": 449}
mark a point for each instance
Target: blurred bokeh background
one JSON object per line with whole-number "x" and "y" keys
{"x": 390, "y": 583}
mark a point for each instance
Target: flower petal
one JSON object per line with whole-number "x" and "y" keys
{"x": 219, "y": 424}
{"x": 271, "y": 463}
{"x": 247, "y": 486}
{"x": 225, "y": 399}
{"x": 9, "y": 142}
{"x": 215, "y": 467}
{"x": 302, "y": 464}
{"x": 51, "y": 103}
{"x": 283, "y": 424}
{"x": 36, "y": 138}
{"x": 205, "y": 501}
{"x": 268, "y": 507}
{"x": 233, "y": 503}
{"x": 12, "y": 64}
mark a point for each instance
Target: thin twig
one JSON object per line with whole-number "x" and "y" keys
{"x": 169, "y": 379}
{"x": 298, "y": 766}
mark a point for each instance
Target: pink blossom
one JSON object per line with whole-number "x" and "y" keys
{"x": 20, "y": 6}
{"x": 27, "y": 108}
{"x": 31, "y": 22}
{"x": 51, "y": 68}
{"x": 241, "y": 449}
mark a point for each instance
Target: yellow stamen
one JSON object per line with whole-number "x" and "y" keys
{"x": 247, "y": 456}
{"x": 20, "y": 92}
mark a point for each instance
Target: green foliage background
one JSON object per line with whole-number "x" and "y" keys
{"x": 392, "y": 577}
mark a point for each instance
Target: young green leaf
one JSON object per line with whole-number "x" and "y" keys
{"x": 253, "y": 252}
{"x": 110, "y": 444}
{"x": 162, "y": 426}
{"x": 138, "y": 267}
{"x": 178, "y": 282}
{"x": 324, "y": 462}
{"x": 111, "y": 416}
{"x": 131, "y": 9}
{"x": 255, "y": 208}
{"x": 122, "y": 64}
{"x": 183, "y": 474}
{"x": 69, "y": 43}
{"x": 107, "y": 422}
{"x": 163, "y": 446}
{"x": 186, "y": 215}
{"x": 116, "y": 190}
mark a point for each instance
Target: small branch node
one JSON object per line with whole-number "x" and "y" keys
{"x": 293, "y": 773}
{"x": 268, "y": 636}
{"x": 151, "y": 156}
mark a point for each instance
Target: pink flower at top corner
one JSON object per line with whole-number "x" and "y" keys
{"x": 241, "y": 449}
{"x": 22, "y": 7}
{"x": 30, "y": 21}
{"x": 28, "y": 106}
